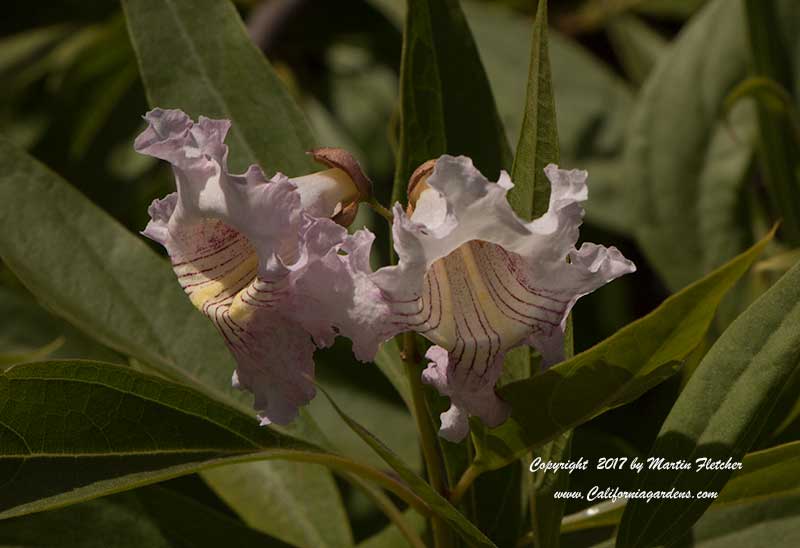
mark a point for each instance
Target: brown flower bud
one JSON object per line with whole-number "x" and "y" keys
{"x": 418, "y": 182}
{"x": 341, "y": 159}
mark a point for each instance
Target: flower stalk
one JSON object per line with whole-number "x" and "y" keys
{"x": 427, "y": 433}
{"x": 465, "y": 482}
{"x": 378, "y": 208}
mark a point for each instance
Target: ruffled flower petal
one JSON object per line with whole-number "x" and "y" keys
{"x": 259, "y": 257}
{"x": 477, "y": 280}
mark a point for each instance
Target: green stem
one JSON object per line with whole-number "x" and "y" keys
{"x": 427, "y": 434}
{"x": 380, "y": 210}
{"x": 467, "y": 479}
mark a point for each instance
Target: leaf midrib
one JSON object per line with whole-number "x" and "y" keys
{"x": 139, "y": 396}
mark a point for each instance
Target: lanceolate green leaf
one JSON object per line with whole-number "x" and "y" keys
{"x": 537, "y": 147}
{"x": 770, "y": 474}
{"x": 637, "y": 45}
{"x": 76, "y": 430}
{"x": 538, "y": 138}
{"x": 154, "y": 517}
{"x": 612, "y": 373}
{"x": 34, "y": 330}
{"x": 684, "y": 179}
{"x": 769, "y": 522}
{"x": 778, "y": 149}
{"x": 720, "y": 412}
{"x": 773, "y": 472}
{"x": 197, "y": 56}
{"x": 546, "y": 510}
{"x": 77, "y": 426}
{"x": 297, "y": 503}
{"x": 389, "y": 361}
{"x": 391, "y": 537}
{"x": 187, "y": 523}
{"x": 92, "y": 524}
{"x": 446, "y": 104}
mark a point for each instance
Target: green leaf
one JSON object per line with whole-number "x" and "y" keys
{"x": 446, "y": 103}
{"x": 391, "y": 537}
{"x": 612, "y": 373}
{"x": 637, "y": 45}
{"x": 289, "y": 501}
{"x": 389, "y": 361}
{"x": 772, "y": 522}
{"x": 547, "y": 511}
{"x": 77, "y": 430}
{"x": 593, "y": 14}
{"x": 720, "y": 412}
{"x": 438, "y": 504}
{"x": 680, "y": 9}
{"x": 537, "y": 147}
{"x": 499, "y": 508}
{"x": 771, "y": 473}
{"x": 74, "y": 430}
{"x": 98, "y": 276}
{"x": 778, "y": 147}
{"x": 34, "y": 330}
{"x": 538, "y": 138}
{"x": 190, "y": 524}
{"x": 89, "y": 525}
{"x": 386, "y": 419}
{"x": 198, "y": 57}
{"x": 155, "y": 517}
{"x": 685, "y": 180}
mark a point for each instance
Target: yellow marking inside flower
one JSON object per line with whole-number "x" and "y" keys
{"x": 240, "y": 311}
{"x": 475, "y": 285}
{"x": 507, "y": 330}
{"x": 226, "y": 286}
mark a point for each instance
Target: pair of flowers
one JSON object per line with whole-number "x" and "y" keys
{"x": 269, "y": 262}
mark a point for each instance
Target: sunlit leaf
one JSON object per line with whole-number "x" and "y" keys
{"x": 286, "y": 500}
{"x": 720, "y": 412}
{"x": 538, "y": 138}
